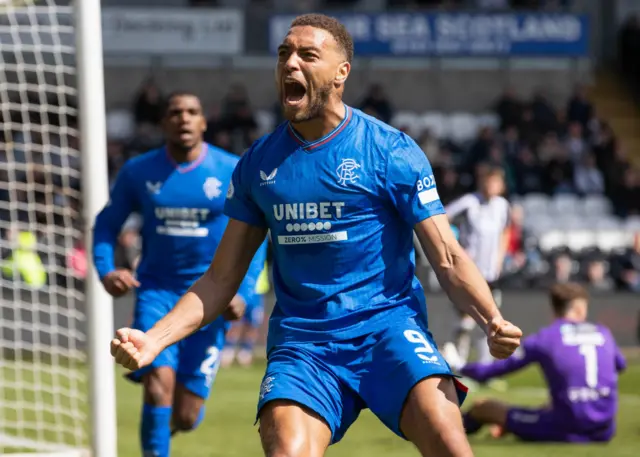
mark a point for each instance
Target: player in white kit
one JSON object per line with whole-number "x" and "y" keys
{"x": 482, "y": 218}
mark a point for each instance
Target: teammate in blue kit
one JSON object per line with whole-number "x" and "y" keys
{"x": 179, "y": 190}
{"x": 340, "y": 193}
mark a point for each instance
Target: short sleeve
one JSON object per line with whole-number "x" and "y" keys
{"x": 410, "y": 182}
{"x": 239, "y": 203}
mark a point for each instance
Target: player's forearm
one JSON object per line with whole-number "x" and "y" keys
{"x": 205, "y": 301}
{"x": 482, "y": 372}
{"x": 466, "y": 288}
{"x": 103, "y": 252}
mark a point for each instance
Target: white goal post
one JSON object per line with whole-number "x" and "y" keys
{"x": 57, "y": 380}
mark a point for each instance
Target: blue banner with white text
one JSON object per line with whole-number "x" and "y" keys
{"x": 458, "y": 34}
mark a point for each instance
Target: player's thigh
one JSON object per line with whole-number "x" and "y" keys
{"x": 199, "y": 358}
{"x": 158, "y": 386}
{"x": 402, "y": 356}
{"x": 490, "y": 411}
{"x": 158, "y": 377}
{"x": 289, "y": 429}
{"x": 298, "y": 377}
{"x": 431, "y": 419}
{"x": 254, "y": 315}
{"x": 186, "y": 408}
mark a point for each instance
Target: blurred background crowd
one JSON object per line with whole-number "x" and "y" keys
{"x": 570, "y": 173}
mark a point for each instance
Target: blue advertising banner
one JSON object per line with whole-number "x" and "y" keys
{"x": 458, "y": 34}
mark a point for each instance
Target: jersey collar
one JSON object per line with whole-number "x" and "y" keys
{"x": 187, "y": 166}
{"x": 311, "y": 145}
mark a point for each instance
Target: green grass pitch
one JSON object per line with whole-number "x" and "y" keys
{"x": 228, "y": 429}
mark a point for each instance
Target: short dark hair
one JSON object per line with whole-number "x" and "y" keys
{"x": 562, "y": 295}
{"x": 176, "y": 94}
{"x": 331, "y": 25}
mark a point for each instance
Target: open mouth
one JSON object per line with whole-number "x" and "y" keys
{"x": 294, "y": 92}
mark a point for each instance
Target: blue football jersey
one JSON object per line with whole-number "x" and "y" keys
{"x": 182, "y": 212}
{"x": 341, "y": 211}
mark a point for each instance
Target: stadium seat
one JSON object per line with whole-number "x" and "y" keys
{"x": 613, "y": 240}
{"x": 406, "y": 120}
{"x": 632, "y": 224}
{"x": 540, "y": 224}
{"x": 488, "y": 120}
{"x": 606, "y": 222}
{"x": 121, "y": 125}
{"x": 552, "y": 241}
{"x": 564, "y": 204}
{"x": 266, "y": 121}
{"x": 581, "y": 240}
{"x": 535, "y": 205}
{"x": 435, "y": 122}
{"x": 570, "y": 222}
{"x": 596, "y": 205}
{"x": 461, "y": 127}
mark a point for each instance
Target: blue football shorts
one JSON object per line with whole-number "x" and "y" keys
{"x": 339, "y": 379}
{"x": 196, "y": 358}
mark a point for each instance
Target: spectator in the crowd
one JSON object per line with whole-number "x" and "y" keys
{"x": 579, "y": 108}
{"x": 626, "y": 197}
{"x": 595, "y": 271}
{"x": 563, "y": 270}
{"x": 509, "y": 109}
{"x": 149, "y": 104}
{"x": 515, "y": 258}
{"x": 627, "y": 267}
{"x": 239, "y": 119}
{"x": 588, "y": 180}
{"x": 511, "y": 142}
{"x": 575, "y": 142}
{"x": 430, "y": 146}
{"x": 528, "y": 173}
{"x": 604, "y": 148}
{"x": 378, "y": 103}
{"x": 544, "y": 114}
{"x": 559, "y": 173}
{"x": 449, "y": 187}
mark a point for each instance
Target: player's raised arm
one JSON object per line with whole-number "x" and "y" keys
{"x": 106, "y": 229}
{"x": 206, "y": 300}
{"x": 524, "y": 356}
{"x": 412, "y": 188}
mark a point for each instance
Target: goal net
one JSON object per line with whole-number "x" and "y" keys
{"x": 43, "y": 374}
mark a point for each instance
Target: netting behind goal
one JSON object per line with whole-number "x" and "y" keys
{"x": 42, "y": 313}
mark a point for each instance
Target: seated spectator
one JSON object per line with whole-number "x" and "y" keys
{"x": 595, "y": 271}
{"x": 588, "y": 179}
{"x": 575, "y": 142}
{"x": 528, "y": 173}
{"x": 626, "y": 269}
{"x": 579, "y": 108}
{"x": 376, "y": 101}
{"x": 509, "y": 108}
{"x": 559, "y": 173}
{"x": 626, "y": 196}
{"x": 148, "y": 106}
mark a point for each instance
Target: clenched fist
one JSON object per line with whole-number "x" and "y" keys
{"x": 503, "y": 338}
{"x": 133, "y": 349}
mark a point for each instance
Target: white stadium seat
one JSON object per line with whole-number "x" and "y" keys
{"x": 564, "y": 204}
{"x": 535, "y": 205}
{"x": 462, "y": 127}
{"x": 596, "y": 205}
{"x": 580, "y": 240}
{"x": 632, "y": 224}
{"x": 552, "y": 240}
{"x": 266, "y": 121}
{"x": 491, "y": 120}
{"x": 435, "y": 122}
{"x": 613, "y": 240}
{"x": 121, "y": 125}
{"x": 406, "y": 120}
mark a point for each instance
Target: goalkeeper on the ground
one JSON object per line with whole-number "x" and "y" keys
{"x": 179, "y": 190}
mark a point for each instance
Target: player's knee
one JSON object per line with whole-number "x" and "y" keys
{"x": 185, "y": 419}
{"x": 292, "y": 444}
